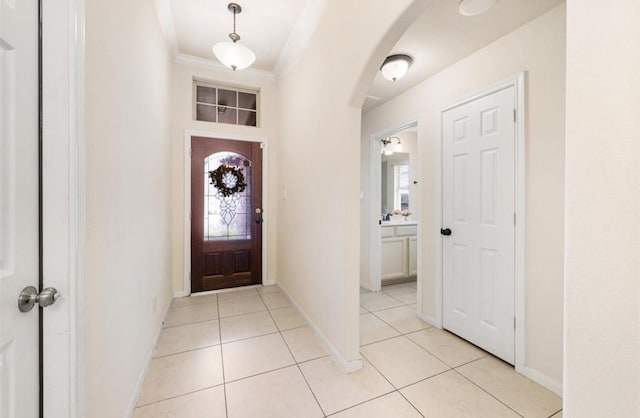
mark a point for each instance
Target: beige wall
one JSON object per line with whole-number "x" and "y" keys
{"x": 602, "y": 310}
{"x": 128, "y": 228}
{"x": 182, "y": 120}
{"x": 319, "y": 163}
{"x": 539, "y": 49}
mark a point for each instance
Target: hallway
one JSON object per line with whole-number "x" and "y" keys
{"x": 248, "y": 353}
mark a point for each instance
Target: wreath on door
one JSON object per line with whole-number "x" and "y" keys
{"x": 228, "y": 180}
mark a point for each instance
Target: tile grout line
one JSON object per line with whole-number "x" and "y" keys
{"x": 179, "y": 396}
{"x": 295, "y": 360}
{"x": 361, "y": 403}
{"x": 403, "y": 333}
{"x": 488, "y": 393}
{"x": 224, "y": 379}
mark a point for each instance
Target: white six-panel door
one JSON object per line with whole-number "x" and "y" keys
{"x": 478, "y": 190}
{"x": 18, "y": 206}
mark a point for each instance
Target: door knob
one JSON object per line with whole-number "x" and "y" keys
{"x": 445, "y": 231}
{"x": 30, "y": 296}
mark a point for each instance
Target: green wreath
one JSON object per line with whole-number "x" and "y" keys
{"x": 228, "y": 180}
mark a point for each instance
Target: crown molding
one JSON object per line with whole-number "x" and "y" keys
{"x": 194, "y": 61}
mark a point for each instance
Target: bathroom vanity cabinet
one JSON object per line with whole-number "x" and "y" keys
{"x": 399, "y": 251}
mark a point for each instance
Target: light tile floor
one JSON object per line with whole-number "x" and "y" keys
{"x": 249, "y": 354}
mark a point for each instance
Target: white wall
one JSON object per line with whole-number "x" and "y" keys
{"x": 539, "y": 49}
{"x": 319, "y": 164}
{"x": 182, "y": 120}
{"x": 128, "y": 228}
{"x": 602, "y": 308}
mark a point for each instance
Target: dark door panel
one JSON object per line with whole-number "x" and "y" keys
{"x": 226, "y": 231}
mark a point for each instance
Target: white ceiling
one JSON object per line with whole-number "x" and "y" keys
{"x": 441, "y": 37}
{"x": 437, "y": 39}
{"x": 264, "y": 26}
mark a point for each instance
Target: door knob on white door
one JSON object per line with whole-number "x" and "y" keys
{"x": 445, "y": 231}
{"x": 30, "y": 296}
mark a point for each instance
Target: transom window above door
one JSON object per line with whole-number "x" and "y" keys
{"x": 223, "y": 104}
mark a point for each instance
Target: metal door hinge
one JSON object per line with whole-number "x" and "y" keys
{"x": 515, "y": 117}
{"x": 514, "y": 322}
{"x": 514, "y": 219}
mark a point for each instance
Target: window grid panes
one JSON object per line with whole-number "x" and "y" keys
{"x": 227, "y": 218}
{"x": 226, "y": 105}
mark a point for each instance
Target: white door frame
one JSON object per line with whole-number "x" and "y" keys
{"x": 63, "y": 208}
{"x": 375, "y": 238}
{"x": 187, "y": 202}
{"x": 518, "y": 82}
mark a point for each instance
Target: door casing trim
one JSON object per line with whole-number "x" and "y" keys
{"x": 518, "y": 82}
{"x": 63, "y": 104}
{"x": 187, "y": 202}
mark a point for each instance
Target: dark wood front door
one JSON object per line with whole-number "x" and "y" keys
{"x": 226, "y": 231}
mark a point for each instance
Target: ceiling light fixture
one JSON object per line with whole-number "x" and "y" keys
{"x": 475, "y": 7}
{"x": 232, "y": 54}
{"x": 396, "y": 66}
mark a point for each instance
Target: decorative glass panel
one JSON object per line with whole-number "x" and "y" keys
{"x": 227, "y": 218}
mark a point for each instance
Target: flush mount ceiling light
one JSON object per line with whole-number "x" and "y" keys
{"x": 232, "y": 54}
{"x": 396, "y": 66}
{"x": 475, "y": 7}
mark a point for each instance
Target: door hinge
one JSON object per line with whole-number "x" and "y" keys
{"x": 514, "y": 115}
{"x": 514, "y": 322}
{"x": 514, "y": 219}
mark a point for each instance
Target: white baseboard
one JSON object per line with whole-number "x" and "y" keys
{"x": 429, "y": 319}
{"x": 145, "y": 370}
{"x": 366, "y": 285}
{"x": 180, "y": 294}
{"x": 541, "y": 379}
{"x": 531, "y": 374}
{"x": 343, "y": 364}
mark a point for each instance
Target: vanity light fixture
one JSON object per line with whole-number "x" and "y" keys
{"x": 396, "y": 66}
{"x": 232, "y": 54}
{"x": 475, "y": 7}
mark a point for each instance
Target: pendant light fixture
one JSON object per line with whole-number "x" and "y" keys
{"x": 396, "y": 66}
{"x": 232, "y": 54}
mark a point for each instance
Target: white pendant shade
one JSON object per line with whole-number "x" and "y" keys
{"x": 234, "y": 55}
{"x": 396, "y": 66}
{"x": 475, "y": 7}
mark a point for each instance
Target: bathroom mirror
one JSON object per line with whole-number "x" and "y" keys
{"x": 395, "y": 182}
